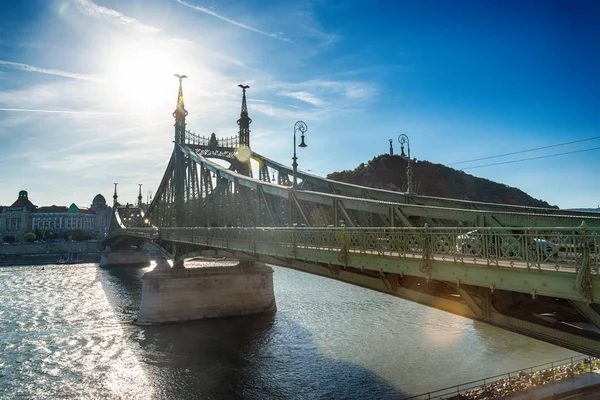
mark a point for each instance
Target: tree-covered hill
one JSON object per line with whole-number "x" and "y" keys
{"x": 389, "y": 172}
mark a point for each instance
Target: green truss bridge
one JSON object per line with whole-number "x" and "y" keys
{"x": 530, "y": 270}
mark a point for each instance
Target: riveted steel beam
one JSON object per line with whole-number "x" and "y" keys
{"x": 587, "y": 311}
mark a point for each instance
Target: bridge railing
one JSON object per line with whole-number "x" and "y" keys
{"x": 151, "y": 233}
{"x": 195, "y": 139}
{"x": 515, "y": 381}
{"x": 507, "y": 247}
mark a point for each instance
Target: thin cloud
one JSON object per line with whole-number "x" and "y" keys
{"x": 238, "y": 24}
{"x": 92, "y": 9}
{"x": 323, "y": 90}
{"x": 60, "y": 111}
{"x": 89, "y": 8}
{"x": 304, "y": 96}
{"x": 56, "y": 72}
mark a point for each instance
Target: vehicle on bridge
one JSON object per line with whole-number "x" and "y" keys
{"x": 472, "y": 243}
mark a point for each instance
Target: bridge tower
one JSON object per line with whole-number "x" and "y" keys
{"x": 115, "y": 197}
{"x": 179, "y": 171}
{"x": 140, "y": 197}
{"x": 244, "y": 121}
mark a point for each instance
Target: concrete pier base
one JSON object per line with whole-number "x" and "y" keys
{"x": 125, "y": 257}
{"x": 177, "y": 295}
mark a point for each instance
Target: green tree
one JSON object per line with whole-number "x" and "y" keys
{"x": 29, "y": 237}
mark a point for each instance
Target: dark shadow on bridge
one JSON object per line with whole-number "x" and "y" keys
{"x": 253, "y": 357}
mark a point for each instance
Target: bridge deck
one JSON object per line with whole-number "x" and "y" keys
{"x": 417, "y": 252}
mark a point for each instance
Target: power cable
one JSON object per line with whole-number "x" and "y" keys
{"x": 533, "y": 158}
{"x": 525, "y": 151}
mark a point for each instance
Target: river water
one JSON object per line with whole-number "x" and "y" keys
{"x": 66, "y": 332}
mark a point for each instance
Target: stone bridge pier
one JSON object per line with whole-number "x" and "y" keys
{"x": 124, "y": 257}
{"x": 185, "y": 294}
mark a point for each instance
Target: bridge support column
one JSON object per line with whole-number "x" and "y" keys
{"x": 126, "y": 257}
{"x": 178, "y": 295}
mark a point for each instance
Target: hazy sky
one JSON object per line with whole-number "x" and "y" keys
{"x": 87, "y": 88}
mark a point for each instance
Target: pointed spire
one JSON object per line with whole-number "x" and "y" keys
{"x": 244, "y": 121}
{"x": 115, "y": 197}
{"x": 140, "y": 197}
{"x": 180, "y": 112}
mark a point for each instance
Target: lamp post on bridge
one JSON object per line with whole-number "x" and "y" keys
{"x": 403, "y": 139}
{"x": 302, "y": 128}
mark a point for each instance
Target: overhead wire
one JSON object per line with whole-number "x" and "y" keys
{"x": 525, "y": 151}
{"x": 533, "y": 158}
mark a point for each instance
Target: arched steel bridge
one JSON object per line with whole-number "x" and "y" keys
{"x": 530, "y": 270}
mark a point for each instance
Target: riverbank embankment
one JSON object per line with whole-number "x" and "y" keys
{"x": 45, "y": 253}
{"x": 555, "y": 380}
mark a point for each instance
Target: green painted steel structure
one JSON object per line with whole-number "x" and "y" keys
{"x": 528, "y": 262}
{"x": 531, "y": 270}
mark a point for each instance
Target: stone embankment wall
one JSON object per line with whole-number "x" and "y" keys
{"x": 48, "y": 253}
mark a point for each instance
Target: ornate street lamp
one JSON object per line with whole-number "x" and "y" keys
{"x": 301, "y": 127}
{"x": 404, "y": 139}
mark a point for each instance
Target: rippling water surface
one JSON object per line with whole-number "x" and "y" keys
{"x": 66, "y": 332}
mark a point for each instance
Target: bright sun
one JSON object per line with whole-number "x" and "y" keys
{"x": 140, "y": 76}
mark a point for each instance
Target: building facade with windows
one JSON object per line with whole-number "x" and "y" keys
{"x": 15, "y": 219}
{"x": 23, "y": 216}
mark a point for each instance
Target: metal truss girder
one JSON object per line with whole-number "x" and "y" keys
{"x": 162, "y": 186}
{"x": 355, "y": 269}
{"x": 299, "y": 208}
{"x": 561, "y": 217}
{"x": 548, "y": 334}
{"x": 224, "y": 173}
{"x": 551, "y": 335}
{"x": 397, "y": 213}
{"x": 535, "y": 282}
{"x": 471, "y": 217}
{"x": 481, "y": 306}
{"x": 340, "y": 205}
{"x": 587, "y": 311}
{"x": 470, "y": 301}
{"x": 555, "y": 284}
{"x": 268, "y": 206}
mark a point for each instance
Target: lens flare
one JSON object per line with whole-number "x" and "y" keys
{"x": 243, "y": 154}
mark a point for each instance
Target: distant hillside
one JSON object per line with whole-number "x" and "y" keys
{"x": 389, "y": 172}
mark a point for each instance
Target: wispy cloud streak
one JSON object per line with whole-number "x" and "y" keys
{"x": 238, "y": 24}
{"x": 304, "y": 96}
{"x": 92, "y": 9}
{"x": 33, "y": 68}
{"x": 60, "y": 111}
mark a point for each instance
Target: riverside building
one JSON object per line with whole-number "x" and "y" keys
{"x": 23, "y": 216}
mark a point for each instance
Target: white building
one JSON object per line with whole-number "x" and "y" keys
{"x": 22, "y": 217}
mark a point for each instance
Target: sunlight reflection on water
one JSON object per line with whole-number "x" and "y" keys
{"x": 66, "y": 331}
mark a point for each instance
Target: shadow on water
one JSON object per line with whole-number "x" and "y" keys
{"x": 253, "y": 357}
{"x": 256, "y": 357}
{"x": 123, "y": 288}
